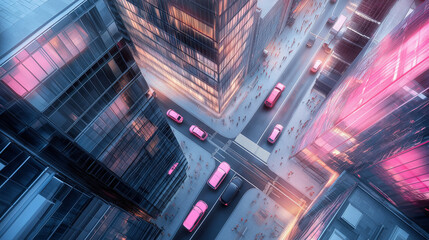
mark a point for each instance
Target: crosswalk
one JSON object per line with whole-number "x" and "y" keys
{"x": 252, "y": 147}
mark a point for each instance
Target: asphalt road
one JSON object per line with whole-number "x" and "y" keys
{"x": 244, "y": 164}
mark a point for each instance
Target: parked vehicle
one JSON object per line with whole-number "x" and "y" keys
{"x": 198, "y": 132}
{"x": 195, "y": 215}
{"x": 231, "y": 191}
{"x": 274, "y": 95}
{"x": 174, "y": 116}
{"x": 275, "y": 134}
{"x": 219, "y": 175}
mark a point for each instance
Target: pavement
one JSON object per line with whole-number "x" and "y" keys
{"x": 256, "y": 217}
{"x": 240, "y": 139}
{"x": 200, "y": 166}
{"x": 259, "y": 81}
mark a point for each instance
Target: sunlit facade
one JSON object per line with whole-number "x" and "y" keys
{"x": 199, "y": 48}
{"x": 380, "y": 109}
{"x": 74, "y": 98}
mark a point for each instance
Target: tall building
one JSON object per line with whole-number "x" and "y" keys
{"x": 199, "y": 48}
{"x": 350, "y": 209}
{"x": 38, "y": 203}
{"x": 73, "y": 98}
{"x": 376, "y": 121}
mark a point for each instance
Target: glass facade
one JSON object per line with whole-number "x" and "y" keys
{"x": 36, "y": 203}
{"x": 200, "y": 48}
{"x": 74, "y": 98}
{"x": 380, "y": 109}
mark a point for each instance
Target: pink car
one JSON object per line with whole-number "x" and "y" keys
{"x": 275, "y": 133}
{"x": 198, "y": 132}
{"x": 195, "y": 215}
{"x": 219, "y": 175}
{"x": 316, "y": 66}
{"x": 175, "y": 116}
{"x": 274, "y": 95}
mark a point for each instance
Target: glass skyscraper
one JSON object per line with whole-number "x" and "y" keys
{"x": 199, "y": 48}
{"x": 74, "y": 101}
{"x": 375, "y": 123}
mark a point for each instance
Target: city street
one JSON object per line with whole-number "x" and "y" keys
{"x": 244, "y": 163}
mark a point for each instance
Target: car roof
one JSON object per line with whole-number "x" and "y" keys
{"x": 192, "y": 217}
{"x": 198, "y": 131}
{"x": 317, "y": 63}
{"x": 225, "y": 166}
{"x": 216, "y": 177}
{"x": 274, "y": 133}
{"x": 230, "y": 191}
{"x": 173, "y": 113}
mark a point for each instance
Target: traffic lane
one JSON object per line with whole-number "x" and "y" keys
{"x": 271, "y": 176}
{"x": 289, "y": 77}
{"x": 288, "y": 108}
{"x": 209, "y": 196}
{"x": 219, "y": 215}
{"x": 166, "y": 103}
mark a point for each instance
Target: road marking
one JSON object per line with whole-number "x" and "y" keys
{"x": 247, "y": 144}
{"x": 245, "y": 179}
{"x": 252, "y": 154}
{"x": 214, "y": 204}
{"x": 287, "y": 97}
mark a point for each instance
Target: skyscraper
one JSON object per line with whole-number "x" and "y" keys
{"x": 199, "y": 48}
{"x": 73, "y": 98}
{"x": 378, "y": 115}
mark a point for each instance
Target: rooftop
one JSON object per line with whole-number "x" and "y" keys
{"x": 362, "y": 216}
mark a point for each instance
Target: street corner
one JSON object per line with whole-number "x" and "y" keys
{"x": 257, "y": 216}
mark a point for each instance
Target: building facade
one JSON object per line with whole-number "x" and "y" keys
{"x": 380, "y": 111}
{"x": 198, "y": 48}
{"x": 72, "y": 96}
{"x": 267, "y": 25}
{"x": 351, "y": 210}
{"x": 38, "y": 203}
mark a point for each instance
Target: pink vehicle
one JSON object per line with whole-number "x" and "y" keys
{"x": 275, "y": 133}
{"x": 274, "y": 95}
{"x": 219, "y": 175}
{"x": 198, "y": 132}
{"x": 195, "y": 215}
{"x": 175, "y": 116}
{"x": 316, "y": 66}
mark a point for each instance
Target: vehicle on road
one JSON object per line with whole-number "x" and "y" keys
{"x": 332, "y": 20}
{"x": 327, "y": 48}
{"x": 195, "y": 215}
{"x": 274, "y": 95}
{"x": 338, "y": 24}
{"x": 219, "y": 175}
{"x": 275, "y": 134}
{"x": 311, "y": 41}
{"x": 316, "y": 66}
{"x": 174, "y": 116}
{"x": 198, "y": 132}
{"x": 231, "y": 191}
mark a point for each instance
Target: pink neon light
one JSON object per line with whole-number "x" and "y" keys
{"x": 172, "y": 168}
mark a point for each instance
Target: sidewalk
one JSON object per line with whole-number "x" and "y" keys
{"x": 289, "y": 169}
{"x": 256, "y": 217}
{"x": 259, "y": 81}
{"x": 200, "y": 166}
